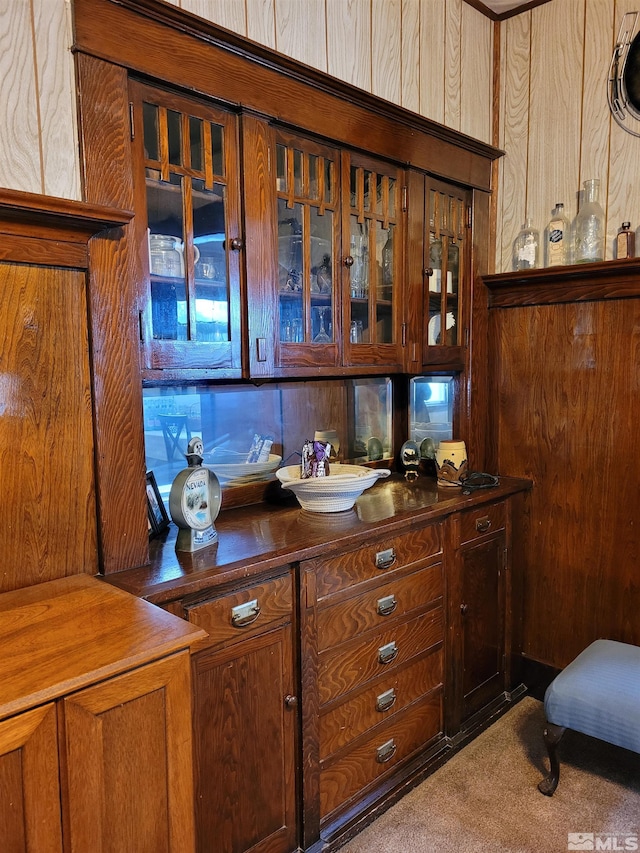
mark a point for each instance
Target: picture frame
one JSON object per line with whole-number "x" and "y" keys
{"x": 156, "y": 510}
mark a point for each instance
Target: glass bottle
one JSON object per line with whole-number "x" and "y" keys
{"x": 589, "y": 226}
{"x": 526, "y": 249}
{"x": 556, "y": 238}
{"x": 625, "y": 242}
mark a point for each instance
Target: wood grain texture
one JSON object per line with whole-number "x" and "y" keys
{"x": 46, "y": 436}
{"x": 349, "y": 41}
{"x": 557, "y": 42}
{"x": 432, "y": 59}
{"x": 20, "y": 163}
{"x": 476, "y": 74}
{"x": 515, "y": 135}
{"x": 410, "y": 54}
{"x": 301, "y": 31}
{"x": 572, "y": 430}
{"x": 56, "y": 99}
{"x": 453, "y": 25}
{"x": 386, "y": 49}
{"x": 261, "y": 21}
{"x": 230, "y": 14}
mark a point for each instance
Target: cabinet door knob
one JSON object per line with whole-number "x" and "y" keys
{"x": 464, "y": 609}
{"x": 290, "y": 701}
{"x": 483, "y": 524}
{"x": 235, "y": 244}
{"x": 428, "y": 271}
{"x": 348, "y": 261}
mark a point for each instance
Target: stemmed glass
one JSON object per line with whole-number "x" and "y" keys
{"x": 322, "y": 337}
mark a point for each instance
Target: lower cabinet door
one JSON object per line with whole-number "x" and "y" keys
{"x": 127, "y": 764}
{"x": 30, "y": 801}
{"x": 244, "y": 729}
{"x": 483, "y": 619}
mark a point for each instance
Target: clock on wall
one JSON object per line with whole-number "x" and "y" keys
{"x": 623, "y": 90}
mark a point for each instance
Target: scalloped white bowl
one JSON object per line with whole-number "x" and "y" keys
{"x": 227, "y": 469}
{"x": 334, "y": 493}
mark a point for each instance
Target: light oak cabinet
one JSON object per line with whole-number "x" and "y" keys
{"x": 95, "y": 738}
{"x": 245, "y": 720}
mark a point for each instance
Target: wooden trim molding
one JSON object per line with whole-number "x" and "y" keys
{"x": 576, "y": 283}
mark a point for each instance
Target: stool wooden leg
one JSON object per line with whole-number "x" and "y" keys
{"x": 552, "y": 735}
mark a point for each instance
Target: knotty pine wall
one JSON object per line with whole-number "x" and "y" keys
{"x": 433, "y": 57}
{"x": 554, "y": 119}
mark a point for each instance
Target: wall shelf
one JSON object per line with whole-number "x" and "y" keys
{"x": 576, "y": 283}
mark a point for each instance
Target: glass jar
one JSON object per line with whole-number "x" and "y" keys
{"x": 526, "y": 249}
{"x": 589, "y": 226}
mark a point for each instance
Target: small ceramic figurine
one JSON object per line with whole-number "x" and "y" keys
{"x": 194, "y": 501}
{"x": 410, "y": 458}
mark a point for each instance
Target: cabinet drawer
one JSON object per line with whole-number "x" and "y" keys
{"x": 479, "y": 522}
{"x": 231, "y": 616}
{"x": 384, "y": 698}
{"x": 356, "y": 662}
{"x": 382, "y": 752}
{"x": 390, "y": 554}
{"x": 375, "y": 607}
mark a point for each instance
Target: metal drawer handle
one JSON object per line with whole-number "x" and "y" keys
{"x": 386, "y": 605}
{"x": 388, "y": 652}
{"x": 385, "y": 559}
{"x": 483, "y": 524}
{"x": 245, "y": 614}
{"x": 386, "y": 700}
{"x": 386, "y": 752}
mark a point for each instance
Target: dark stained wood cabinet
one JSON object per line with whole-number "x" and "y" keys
{"x": 95, "y": 712}
{"x": 245, "y": 720}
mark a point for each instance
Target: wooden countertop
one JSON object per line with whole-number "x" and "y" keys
{"x": 63, "y": 635}
{"x": 269, "y": 535}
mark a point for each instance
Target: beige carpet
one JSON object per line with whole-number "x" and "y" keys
{"x": 485, "y": 798}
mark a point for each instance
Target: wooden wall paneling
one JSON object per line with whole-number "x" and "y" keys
{"x": 515, "y": 135}
{"x": 453, "y": 25}
{"x": 432, "y": 60}
{"x": 48, "y": 525}
{"x": 56, "y": 99}
{"x": 349, "y": 41}
{"x": 618, "y": 165}
{"x": 557, "y": 46}
{"x": 20, "y": 163}
{"x": 386, "y": 49}
{"x": 410, "y": 55}
{"x": 230, "y": 14}
{"x": 566, "y": 421}
{"x": 114, "y": 321}
{"x": 261, "y": 21}
{"x": 301, "y": 31}
{"x": 476, "y": 74}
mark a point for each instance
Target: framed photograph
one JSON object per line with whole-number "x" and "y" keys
{"x": 156, "y": 511}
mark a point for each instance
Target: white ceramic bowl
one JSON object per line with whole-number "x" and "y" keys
{"x": 229, "y": 470}
{"x": 334, "y": 493}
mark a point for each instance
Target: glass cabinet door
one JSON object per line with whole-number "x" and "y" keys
{"x": 445, "y": 242}
{"x": 373, "y": 262}
{"x": 307, "y": 192}
{"x": 187, "y": 187}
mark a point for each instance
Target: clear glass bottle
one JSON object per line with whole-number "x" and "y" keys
{"x": 526, "y": 249}
{"x": 625, "y": 242}
{"x": 589, "y": 226}
{"x": 556, "y": 238}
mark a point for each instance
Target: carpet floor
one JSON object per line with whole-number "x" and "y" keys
{"x": 485, "y": 798}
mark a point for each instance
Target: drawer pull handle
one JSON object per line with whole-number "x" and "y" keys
{"x": 386, "y": 700}
{"x": 386, "y": 605}
{"x": 385, "y": 559}
{"x": 388, "y": 653}
{"x": 483, "y": 524}
{"x": 245, "y": 614}
{"x": 386, "y": 752}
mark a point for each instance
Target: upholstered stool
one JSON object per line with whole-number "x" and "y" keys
{"x": 598, "y": 694}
